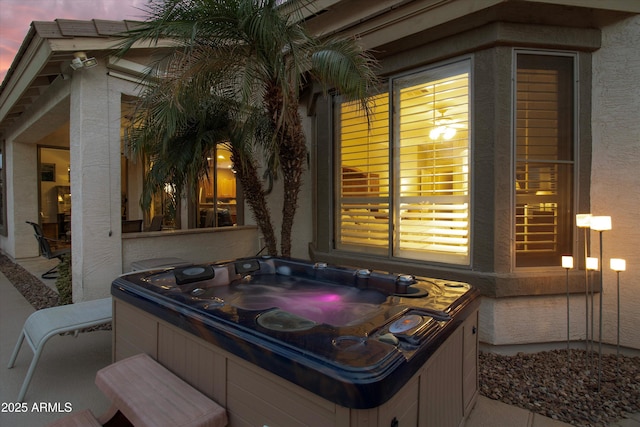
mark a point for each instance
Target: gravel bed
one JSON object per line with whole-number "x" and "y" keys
{"x": 564, "y": 388}
{"x": 545, "y": 383}
{"x": 37, "y": 293}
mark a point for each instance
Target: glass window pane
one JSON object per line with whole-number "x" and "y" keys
{"x": 363, "y": 206}
{"x": 544, "y": 159}
{"x": 408, "y": 197}
{"x": 217, "y": 193}
{"x": 432, "y": 146}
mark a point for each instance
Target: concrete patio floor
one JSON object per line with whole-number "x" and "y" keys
{"x": 64, "y": 378}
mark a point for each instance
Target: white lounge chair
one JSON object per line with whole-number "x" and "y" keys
{"x": 43, "y": 324}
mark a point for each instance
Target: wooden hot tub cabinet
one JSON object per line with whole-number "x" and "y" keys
{"x": 441, "y": 393}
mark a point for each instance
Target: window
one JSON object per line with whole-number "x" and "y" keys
{"x": 165, "y": 206}
{"x": 364, "y": 182}
{"x": 212, "y": 201}
{"x": 216, "y": 197}
{"x": 403, "y": 178}
{"x": 544, "y": 147}
{"x": 55, "y": 204}
{"x": 217, "y": 191}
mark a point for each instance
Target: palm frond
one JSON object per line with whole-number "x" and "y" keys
{"x": 343, "y": 65}
{"x": 233, "y": 74}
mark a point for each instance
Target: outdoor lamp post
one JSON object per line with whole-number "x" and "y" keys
{"x": 600, "y": 224}
{"x": 618, "y": 265}
{"x": 584, "y": 221}
{"x": 567, "y": 264}
{"x": 592, "y": 265}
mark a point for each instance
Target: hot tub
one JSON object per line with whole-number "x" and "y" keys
{"x": 353, "y": 337}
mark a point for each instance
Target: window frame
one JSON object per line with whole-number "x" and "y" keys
{"x": 338, "y": 190}
{"x": 427, "y": 75}
{"x": 572, "y": 197}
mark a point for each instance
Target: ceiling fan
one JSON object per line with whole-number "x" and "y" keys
{"x": 445, "y": 127}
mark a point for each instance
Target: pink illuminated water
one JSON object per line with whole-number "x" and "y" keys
{"x": 322, "y": 303}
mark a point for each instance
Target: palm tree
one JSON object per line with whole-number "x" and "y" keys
{"x": 178, "y": 143}
{"x": 259, "y": 54}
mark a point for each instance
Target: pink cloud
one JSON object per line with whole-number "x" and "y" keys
{"x": 17, "y": 15}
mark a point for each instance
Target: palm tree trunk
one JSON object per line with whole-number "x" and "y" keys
{"x": 253, "y": 191}
{"x": 292, "y": 153}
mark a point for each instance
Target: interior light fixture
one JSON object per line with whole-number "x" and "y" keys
{"x": 445, "y": 132}
{"x": 80, "y": 60}
{"x": 442, "y": 130}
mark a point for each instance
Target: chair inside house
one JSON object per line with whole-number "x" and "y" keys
{"x": 156, "y": 223}
{"x": 224, "y": 218}
{"x": 208, "y": 221}
{"x": 47, "y": 252}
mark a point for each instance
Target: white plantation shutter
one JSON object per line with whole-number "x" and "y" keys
{"x": 432, "y": 160}
{"x": 438, "y": 227}
{"x": 408, "y": 198}
{"x": 544, "y": 159}
{"x": 363, "y": 211}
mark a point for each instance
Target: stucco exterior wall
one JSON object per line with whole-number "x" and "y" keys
{"x": 95, "y": 182}
{"x": 527, "y": 320}
{"x": 196, "y": 245}
{"x": 615, "y": 191}
{"x": 22, "y": 200}
{"x": 615, "y": 181}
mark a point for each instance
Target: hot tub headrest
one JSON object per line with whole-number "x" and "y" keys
{"x": 193, "y": 273}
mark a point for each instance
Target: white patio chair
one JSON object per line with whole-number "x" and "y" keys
{"x": 43, "y": 324}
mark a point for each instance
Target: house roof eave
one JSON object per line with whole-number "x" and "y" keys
{"x": 25, "y": 81}
{"x": 387, "y": 25}
{"x": 45, "y": 55}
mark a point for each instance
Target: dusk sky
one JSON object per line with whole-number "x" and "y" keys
{"x": 17, "y": 15}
